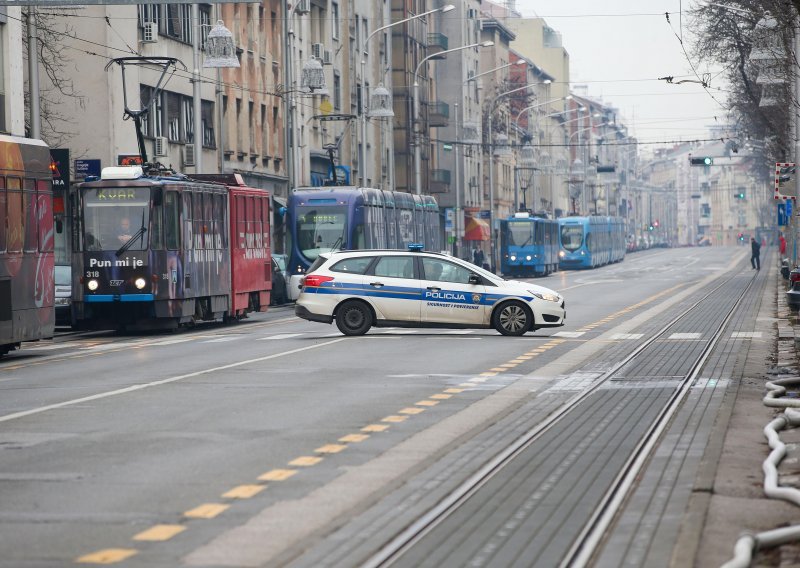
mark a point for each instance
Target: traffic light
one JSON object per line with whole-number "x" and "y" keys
{"x": 702, "y": 161}
{"x": 655, "y": 223}
{"x": 740, "y": 236}
{"x": 739, "y": 194}
{"x": 650, "y": 228}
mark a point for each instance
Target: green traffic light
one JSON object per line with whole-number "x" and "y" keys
{"x": 708, "y": 161}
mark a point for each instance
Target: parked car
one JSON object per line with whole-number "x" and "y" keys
{"x": 63, "y": 297}
{"x": 280, "y": 280}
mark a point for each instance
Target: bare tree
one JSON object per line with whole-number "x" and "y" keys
{"x": 54, "y": 55}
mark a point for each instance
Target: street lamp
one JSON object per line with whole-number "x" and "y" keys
{"x": 532, "y": 107}
{"x": 362, "y": 159}
{"x": 526, "y": 163}
{"x": 578, "y": 167}
{"x": 417, "y": 142}
{"x": 474, "y": 77}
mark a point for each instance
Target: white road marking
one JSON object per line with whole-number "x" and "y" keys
{"x": 627, "y": 336}
{"x": 571, "y": 334}
{"x": 280, "y": 336}
{"x": 222, "y": 339}
{"x": 134, "y": 388}
{"x": 460, "y": 332}
{"x": 399, "y": 331}
{"x": 746, "y": 335}
{"x": 685, "y": 336}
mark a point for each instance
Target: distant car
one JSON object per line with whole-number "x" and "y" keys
{"x": 63, "y": 296}
{"x": 382, "y": 288}
{"x": 280, "y": 280}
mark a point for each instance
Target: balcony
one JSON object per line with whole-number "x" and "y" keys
{"x": 436, "y": 43}
{"x": 438, "y": 114}
{"x": 439, "y": 181}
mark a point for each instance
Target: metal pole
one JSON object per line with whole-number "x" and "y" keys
{"x": 458, "y": 191}
{"x": 33, "y": 74}
{"x": 794, "y": 225}
{"x": 491, "y": 191}
{"x": 417, "y": 142}
{"x": 362, "y": 158}
{"x": 196, "y": 101}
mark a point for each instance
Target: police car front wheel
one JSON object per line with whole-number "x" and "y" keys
{"x": 512, "y": 318}
{"x": 353, "y": 318}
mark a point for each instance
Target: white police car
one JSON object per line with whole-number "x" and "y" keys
{"x": 395, "y": 288}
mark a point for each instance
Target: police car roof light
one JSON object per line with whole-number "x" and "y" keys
{"x": 415, "y": 247}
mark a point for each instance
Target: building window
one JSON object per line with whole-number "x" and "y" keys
{"x": 207, "y": 121}
{"x": 337, "y": 91}
{"x": 187, "y": 118}
{"x": 335, "y": 20}
{"x": 174, "y": 20}
{"x": 174, "y": 132}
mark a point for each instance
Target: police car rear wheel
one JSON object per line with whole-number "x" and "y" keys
{"x": 353, "y": 318}
{"x": 512, "y": 318}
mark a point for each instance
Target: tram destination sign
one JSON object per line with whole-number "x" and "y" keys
{"x": 78, "y": 3}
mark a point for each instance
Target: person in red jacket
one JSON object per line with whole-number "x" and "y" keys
{"x": 782, "y": 242}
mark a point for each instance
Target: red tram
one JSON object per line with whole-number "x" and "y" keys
{"x": 161, "y": 250}
{"x": 26, "y": 242}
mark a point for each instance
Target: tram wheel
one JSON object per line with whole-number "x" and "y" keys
{"x": 512, "y": 318}
{"x": 353, "y": 318}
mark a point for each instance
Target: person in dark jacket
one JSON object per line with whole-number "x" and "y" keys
{"x": 755, "y": 257}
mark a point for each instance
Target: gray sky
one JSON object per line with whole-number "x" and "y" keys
{"x": 619, "y": 48}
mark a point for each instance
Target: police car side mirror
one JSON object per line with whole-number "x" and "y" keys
{"x": 474, "y": 279}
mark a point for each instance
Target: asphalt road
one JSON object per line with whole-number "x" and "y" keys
{"x": 187, "y": 448}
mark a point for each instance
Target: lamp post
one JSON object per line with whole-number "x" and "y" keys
{"x": 527, "y": 161}
{"x": 417, "y": 142}
{"x": 578, "y": 163}
{"x": 475, "y": 77}
{"x": 362, "y": 159}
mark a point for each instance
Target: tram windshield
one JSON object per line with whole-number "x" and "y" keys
{"x": 320, "y": 230}
{"x": 520, "y": 234}
{"x": 571, "y": 237}
{"x": 116, "y": 217}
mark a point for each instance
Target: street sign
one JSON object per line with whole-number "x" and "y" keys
{"x": 85, "y": 168}
{"x": 60, "y": 168}
{"x": 447, "y": 147}
{"x": 783, "y": 175}
{"x": 789, "y": 209}
{"x": 782, "y": 214}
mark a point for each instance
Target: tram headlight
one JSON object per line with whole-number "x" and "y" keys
{"x": 140, "y": 283}
{"x": 528, "y": 258}
{"x": 92, "y": 285}
{"x": 562, "y": 254}
{"x": 513, "y": 257}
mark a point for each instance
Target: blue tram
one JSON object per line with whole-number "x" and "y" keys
{"x": 588, "y": 242}
{"x": 322, "y": 219}
{"x": 529, "y": 246}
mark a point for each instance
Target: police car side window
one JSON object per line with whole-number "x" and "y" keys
{"x": 395, "y": 267}
{"x": 444, "y": 271}
{"x": 357, "y": 265}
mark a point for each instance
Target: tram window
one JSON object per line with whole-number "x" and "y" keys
{"x": 188, "y": 241}
{"x": 14, "y": 219}
{"x": 29, "y": 211}
{"x": 257, "y": 232}
{"x": 241, "y": 221}
{"x": 3, "y": 217}
{"x": 157, "y": 227}
{"x": 208, "y": 221}
{"x": 197, "y": 219}
{"x": 172, "y": 218}
{"x": 44, "y": 204}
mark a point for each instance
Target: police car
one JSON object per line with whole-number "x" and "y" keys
{"x": 415, "y": 288}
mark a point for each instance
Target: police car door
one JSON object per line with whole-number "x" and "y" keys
{"x": 448, "y": 296}
{"x": 393, "y": 288}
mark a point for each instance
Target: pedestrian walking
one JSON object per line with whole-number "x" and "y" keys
{"x": 477, "y": 257}
{"x": 782, "y": 244}
{"x": 755, "y": 257}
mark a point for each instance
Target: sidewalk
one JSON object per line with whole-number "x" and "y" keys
{"x": 735, "y": 503}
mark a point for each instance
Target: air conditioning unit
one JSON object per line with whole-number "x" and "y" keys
{"x": 317, "y": 49}
{"x": 327, "y": 57}
{"x": 150, "y": 32}
{"x": 188, "y": 155}
{"x": 161, "y": 146}
{"x": 303, "y": 7}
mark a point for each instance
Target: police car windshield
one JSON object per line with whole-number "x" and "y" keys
{"x": 320, "y": 229}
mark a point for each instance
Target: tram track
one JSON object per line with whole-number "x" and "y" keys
{"x": 590, "y": 537}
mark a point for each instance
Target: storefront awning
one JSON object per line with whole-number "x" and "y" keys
{"x": 476, "y": 229}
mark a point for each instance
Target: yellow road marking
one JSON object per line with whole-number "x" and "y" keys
{"x": 354, "y": 438}
{"x": 428, "y": 402}
{"x": 160, "y": 533}
{"x": 277, "y": 475}
{"x": 395, "y": 419}
{"x": 107, "y": 556}
{"x": 305, "y": 460}
{"x": 454, "y": 391}
{"x": 244, "y": 491}
{"x": 206, "y": 511}
{"x": 496, "y": 370}
{"x": 517, "y": 361}
{"x": 441, "y": 396}
{"x": 509, "y": 365}
{"x": 411, "y": 410}
{"x": 331, "y": 449}
{"x": 375, "y": 428}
